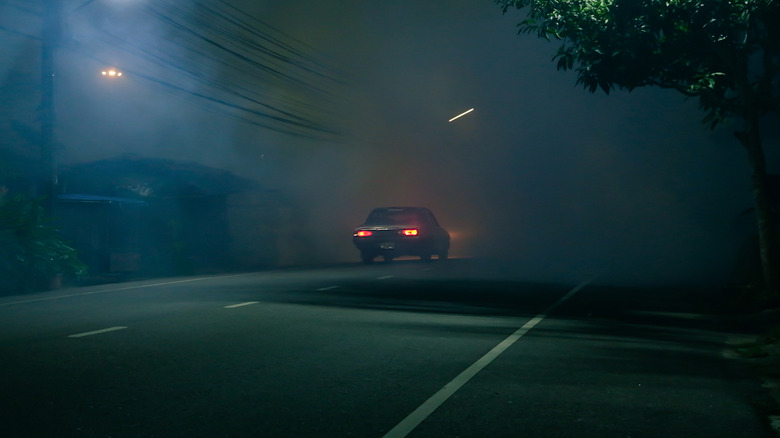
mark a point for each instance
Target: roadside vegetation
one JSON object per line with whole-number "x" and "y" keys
{"x": 33, "y": 255}
{"x": 725, "y": 53}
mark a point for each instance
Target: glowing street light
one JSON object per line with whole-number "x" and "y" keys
{"x": 111, "y": 73}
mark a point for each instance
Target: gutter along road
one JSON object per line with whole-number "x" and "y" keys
{"x": 405, "y": 349}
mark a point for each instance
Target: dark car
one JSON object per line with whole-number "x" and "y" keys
{"x": 401, "y": 231}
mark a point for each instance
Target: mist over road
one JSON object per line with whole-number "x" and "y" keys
{"x": 353, "y": 350}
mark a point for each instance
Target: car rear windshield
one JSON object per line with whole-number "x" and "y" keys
{"x": 393, "y": 217}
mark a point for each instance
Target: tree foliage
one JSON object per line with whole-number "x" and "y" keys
{"x": 725, "y": 52}
{"x": 31, "y": 250}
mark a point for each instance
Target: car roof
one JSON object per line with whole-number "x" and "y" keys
{"x": 400, "y": 208}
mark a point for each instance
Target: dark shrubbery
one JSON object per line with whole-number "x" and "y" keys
{"x": 33, "y": 255}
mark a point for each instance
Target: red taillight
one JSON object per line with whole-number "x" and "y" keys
{"x": 363, "y": 233}
{"x": 409, "y": 232}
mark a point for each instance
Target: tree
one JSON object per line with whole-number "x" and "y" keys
{"x": 726, "y": 53}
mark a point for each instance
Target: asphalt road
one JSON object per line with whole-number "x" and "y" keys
{"x": 454, "y": 349}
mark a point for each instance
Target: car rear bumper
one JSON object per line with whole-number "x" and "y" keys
{"x": 397, "y": 247}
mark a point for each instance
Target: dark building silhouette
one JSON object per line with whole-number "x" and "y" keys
{"x": 148, "y": 216}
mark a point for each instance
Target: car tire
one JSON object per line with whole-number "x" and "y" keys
{"x": 367, "y": 258}
{"x": 443, "y": 255}
{"x": 388, "y": 258}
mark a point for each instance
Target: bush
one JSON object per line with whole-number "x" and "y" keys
{"x": 32, "y": 252}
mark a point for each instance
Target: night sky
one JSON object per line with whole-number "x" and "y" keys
{"x": 565, "y": 183}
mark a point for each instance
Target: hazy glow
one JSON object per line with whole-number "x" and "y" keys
{"x": 461, "y": 114}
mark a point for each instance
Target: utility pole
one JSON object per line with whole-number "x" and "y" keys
{"x": 50, "y": 40}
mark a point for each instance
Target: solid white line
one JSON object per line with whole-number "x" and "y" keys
{"x": 328, "y": 288}
{"x": 426, "y": 409}
{"x": 248, "y": 303}
{"x": 96, "y": 332}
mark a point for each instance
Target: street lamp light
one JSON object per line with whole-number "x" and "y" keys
{"x": 111, "y": 73}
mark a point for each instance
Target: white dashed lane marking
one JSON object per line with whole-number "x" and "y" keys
{"x": 328, "y": 288}
{"x": 248, "y": 303}
{"x": 96, "y": 332}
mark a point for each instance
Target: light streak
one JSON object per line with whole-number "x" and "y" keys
{"x": 461, "y": 115}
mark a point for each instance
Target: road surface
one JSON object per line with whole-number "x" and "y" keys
{"x": 453, "y": 349}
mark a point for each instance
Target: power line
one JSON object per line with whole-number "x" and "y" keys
{"x": 244, "y": 66}
{"x": 279, "y": 64}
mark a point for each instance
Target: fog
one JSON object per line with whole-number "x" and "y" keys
{"x": 562, "y": 183}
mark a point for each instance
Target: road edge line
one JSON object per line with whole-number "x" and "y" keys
{"x": 107, "y": 289}
{"x": 408, "y": 424}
